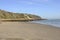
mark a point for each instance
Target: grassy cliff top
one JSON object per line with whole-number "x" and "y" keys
{"x": 10, "y": 15}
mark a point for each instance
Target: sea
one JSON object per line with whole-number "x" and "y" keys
{"x": 53, "y": 22}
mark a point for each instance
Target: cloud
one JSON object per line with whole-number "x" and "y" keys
{"x": 30, "y": 2}
{"x": 40, "y": 0}
{"x": 27, "y": 2}
{"x": 45, "y": 0}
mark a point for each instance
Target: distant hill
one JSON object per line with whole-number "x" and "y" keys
{"x": 10, "y": 15}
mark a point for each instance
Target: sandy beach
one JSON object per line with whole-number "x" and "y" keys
{"x": 28, "y": 31}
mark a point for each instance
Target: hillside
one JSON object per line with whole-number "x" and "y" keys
{"x": 10, "y": 15}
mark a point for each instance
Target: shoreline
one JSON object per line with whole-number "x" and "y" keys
{"x": 52, "y": 24}
{"x": 32, "y": 23}
{"x": 49, "y": 25}
{"x": 28, "y": 31}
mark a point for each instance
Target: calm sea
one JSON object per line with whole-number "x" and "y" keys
{"x": 53, "y": 22}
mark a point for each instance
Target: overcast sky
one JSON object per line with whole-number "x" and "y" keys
{"x": 45, "y": 8}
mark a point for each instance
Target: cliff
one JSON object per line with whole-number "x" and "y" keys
{"x": 5, "y": 15}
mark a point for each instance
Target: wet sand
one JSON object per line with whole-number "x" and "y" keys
{"x": 28, "y": 31}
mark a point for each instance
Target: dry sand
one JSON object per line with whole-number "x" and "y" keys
{"x": 28, "y": 31}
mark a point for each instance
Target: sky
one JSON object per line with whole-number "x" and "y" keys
{"x": 49, "y": 9}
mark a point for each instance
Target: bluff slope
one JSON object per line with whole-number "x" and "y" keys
{"x": 19, "y": 16}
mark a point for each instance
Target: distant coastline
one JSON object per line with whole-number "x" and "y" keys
{"x": 10, "y": 16}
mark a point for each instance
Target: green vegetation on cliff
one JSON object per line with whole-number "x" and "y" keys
{"x": 11, "y": 15}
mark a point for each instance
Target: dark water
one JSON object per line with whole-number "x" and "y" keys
{"x": 54, "y": 22}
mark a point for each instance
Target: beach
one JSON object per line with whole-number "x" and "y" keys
{"x": 28, "y": 31}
